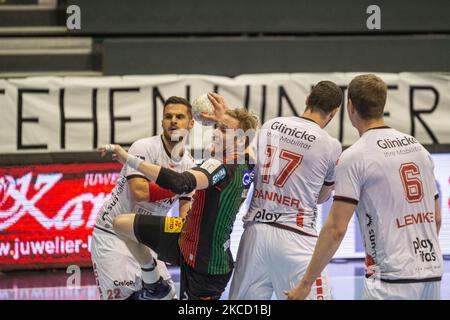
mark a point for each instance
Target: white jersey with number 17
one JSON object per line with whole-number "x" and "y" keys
{"x": 295, "y": 159}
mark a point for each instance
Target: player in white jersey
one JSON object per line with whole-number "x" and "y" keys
{"x": 387, "y": 176}
{"x": 294, "y": 172}
{"x": 118, "y": 272}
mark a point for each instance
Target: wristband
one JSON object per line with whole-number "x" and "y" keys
{"x": 110, "y": 147}
{"x": 133, "y": 162}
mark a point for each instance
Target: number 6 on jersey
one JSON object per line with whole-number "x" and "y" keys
{"x": 410, "y": 175}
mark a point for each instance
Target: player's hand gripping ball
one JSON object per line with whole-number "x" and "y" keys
{"x": 202, "y": 104}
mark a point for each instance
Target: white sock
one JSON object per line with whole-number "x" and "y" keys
{"x": 150, "y": 272}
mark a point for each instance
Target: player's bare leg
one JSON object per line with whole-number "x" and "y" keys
{"x": 154, "y": 286}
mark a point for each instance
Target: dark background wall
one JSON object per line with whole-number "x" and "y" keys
{"x": 164, "y": 17}
{"x": 235, "y": 37}
{"x": 233, "y": 56}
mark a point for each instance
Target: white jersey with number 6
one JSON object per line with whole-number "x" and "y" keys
{"x": 295, "y": 159}
{"x": 389, "y": 175}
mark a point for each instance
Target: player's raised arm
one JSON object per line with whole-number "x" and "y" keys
{"x": 211, "y": 172}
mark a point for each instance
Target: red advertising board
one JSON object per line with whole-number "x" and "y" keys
{"x": 47, "y": 213}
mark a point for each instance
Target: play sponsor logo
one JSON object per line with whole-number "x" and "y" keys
{"x": 424, "y": 248}
{"x": 265, "y": 216}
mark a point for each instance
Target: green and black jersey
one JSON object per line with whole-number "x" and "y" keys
{"x": 205, "y": 240}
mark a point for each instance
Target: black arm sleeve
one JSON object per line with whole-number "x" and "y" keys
{"x": 178, "y": 183}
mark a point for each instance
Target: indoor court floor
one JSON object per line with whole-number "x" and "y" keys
{"x": 346, "y": 279}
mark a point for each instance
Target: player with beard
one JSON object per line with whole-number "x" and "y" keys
{"x": 118, "y": 273}
{"x": 294, "y": 172}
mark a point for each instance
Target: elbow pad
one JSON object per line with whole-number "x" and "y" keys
{"x": 178, "y": 183}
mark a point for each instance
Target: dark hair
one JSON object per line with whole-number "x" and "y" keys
{"x": 325, "y": 96}
{"x": 368, "y": 94}
{"x": 179, "y": 100}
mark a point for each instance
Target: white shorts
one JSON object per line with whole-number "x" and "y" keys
{"x": 117, "y": 273}
{"x": 271, "y": 260}
{"x": 379, "y": 290}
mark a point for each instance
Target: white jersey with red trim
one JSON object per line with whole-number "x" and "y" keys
{"x": 295, "y": 159}
{"x": 389, "y": 175}
{"x": 152, "y": 150}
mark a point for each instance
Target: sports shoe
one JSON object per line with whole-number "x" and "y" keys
{"x": 159, "y": 290}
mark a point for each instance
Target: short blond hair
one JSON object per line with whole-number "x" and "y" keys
{"x": 247, "y": 121}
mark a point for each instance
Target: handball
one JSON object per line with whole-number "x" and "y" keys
{"x": 202, "y": 104}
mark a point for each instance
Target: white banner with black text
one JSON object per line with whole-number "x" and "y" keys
{"x": 57, "y": 114}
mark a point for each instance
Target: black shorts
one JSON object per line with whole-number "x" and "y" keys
{"x": 199, "y": 286}
{"x": 150, "y": 230}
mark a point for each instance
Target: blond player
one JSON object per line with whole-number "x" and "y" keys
{"x": 294, "y": 172}
{"x": 387, "y": 177}
{"x": 201, "y": 244}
